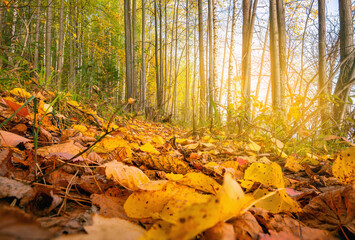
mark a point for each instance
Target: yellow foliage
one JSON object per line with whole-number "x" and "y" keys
{"x": 158, "y": 140}
{"x": 73, "y": 103}
{"x": 148, "y": 148}
{"x": 278, "y": 202}
{"x": 165, "y": 163}
{"x": 19, "y": 92}
{"x": 293, "y": 164}
{"x": 254, "y": 146}
{"x": 80, "y": 128}
{"x": 267, "y": 174}
{"x": 127, "y": 176}
{"x": 110, "y": 143}
{"x": 229, "y": 202}
{"x": 173, "y": 176}
{"x": 230, "y": 164}
{"x": 344, "y": 166}
{"x": 201, "y": 182}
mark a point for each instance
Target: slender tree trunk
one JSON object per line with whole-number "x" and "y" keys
{"x": 134, "y": 49}
{"x": 1, "y": 27}
{"x": 61, "y": 49}
{"x": 275, "y": 57}
{"x": 194, "y": 120}
{"x": 142, "y": 84}
{"x": 202, "y": 64}
{"x": 224, "y": 54}
{"x": 187, "y": 81}
{"x": 48, "y": 40}
{"x": 128, "y": 48}
{"x": 175, "y": 62}
{"x": 211, "y": 62}
{"x": 214, "y": 55}
{"x": 346, "y": 76}
{"x": 161, "y": 52}
{"x": 71, "y": 78}
{"x": 262, "y": 61}
{"x": 282, "y": 48}
{"x": 322, "y": 55}
{"x": 159, "y": 100}
{"x": 230, "y": 67}
{"x": 38, "y": 22}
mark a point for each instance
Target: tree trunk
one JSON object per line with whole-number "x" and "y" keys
{"x": 128, "y": 47}
{"x": 230, "y": 67}
{"x": 282, "y": 48}
{"x": 71, "y": 78}
{"x": 48, "y": 40}
{"x": 214, "y": 55}
{"x": 61, "y": 49}
{"x": 275, "y": 57}
{"x": 193, "y": 100}
{"x": 322, "y": 55}
{"x": 202, "y": 64}
{"x": 187, "y": 81}
{"x": 345, "y": 80}
{"x": 159, "y": 100}
{"x": 211, "y": 63}
{"x": 134, "y": 49}
{"x": 38, "y": 22}
{"x": 175, "y": 62}
{"x": 161, "y": 62}
{"x": 142, "y": 83}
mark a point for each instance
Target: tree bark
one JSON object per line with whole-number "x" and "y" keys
{"x": 322, "y": 55}
{"x": 345, "y": 80}
{"x": 60, "y": 47}
{"x": 159, "y": 100}
{"x": 202, "y": 64}
{"x": 282, "y": 49}
{"x": 128, "y": 47}
{"x": 48, "y": 40}
{"x": 187, "y": 81}
{"x": 142, "y": 83}
{"x": 230, "y": 67}
{"x": 211, "y": 63}
{"x": 38, "y": 22}
{"x": 275, "y": 57}
{"x": 134, "y": 50}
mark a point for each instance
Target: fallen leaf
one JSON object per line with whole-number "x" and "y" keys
{"x": 59, "y": 148}
{"x": 331, "y": 210}
{"x": 11, "y": 139}
{"x": 108, "y": 229}
{"x": 293, "y": 164}
{"x": 15, "y": 106}
{"x": 127, "y": 176}
{"x": 148, "y": 148}
{"x": 344, "y": 166}
{"x": 201, "y": 182}
{"x": 19, "y": 92}
{"x": 221, "y": 231}
{"x": 13, "y": 188}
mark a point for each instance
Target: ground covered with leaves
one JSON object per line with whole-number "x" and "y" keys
{"x": 74, "y": 175}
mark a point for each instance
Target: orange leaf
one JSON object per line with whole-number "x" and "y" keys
{"x": 23, "y": 112}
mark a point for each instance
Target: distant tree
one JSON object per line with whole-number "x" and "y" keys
{"x": 202, "y": 64}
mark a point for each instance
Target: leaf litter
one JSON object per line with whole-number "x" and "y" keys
{"x": 85, "y": 177}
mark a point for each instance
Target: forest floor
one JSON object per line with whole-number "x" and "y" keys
{"x": 75, "y": 175}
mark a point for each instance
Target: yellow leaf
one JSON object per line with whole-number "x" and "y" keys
{"x": 293, "y": 164}
{"x": 231, "y": 164}
{"x": 143, "y": 204}
{"x": 344, "y": 166}
{"x": 267, "y": 174}
{"x": 173, "y": 176}
{"x": 73, "y": 103}
{"x": 165, "y": 163}
{"x": 127, "y": 176}
{"x": 110, "y": 143}
{"x": 278, "y": 202}
{"x": 80, "y": 128}
{"x": 149, "y": 148}
{"x": 253, "y": 146}
{"x": 158, "y": 140}
{"x": 19, "y": 92}
{"x": 201, "y": 182}
{"x": 229, "y": 202}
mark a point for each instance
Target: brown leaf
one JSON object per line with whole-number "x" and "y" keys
{"x": 13, "y": 188}
{"x": 222, "y": 231}
{"x": 15, "y": 224}
{"x": 59, "y": 148}
{"x": 109, "y": 206}
{"x": 43, "y": 201}
{"x": 332, "y": 209}
{"x": 11, "y": 139}
{"x": 246, "y": 226}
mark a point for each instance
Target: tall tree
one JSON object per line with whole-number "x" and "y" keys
{"x": 48, "y": 40}
{"x": 187, "y": 81}
{"x": 134, "y": 48}
{"x": 346, "y": 76}
{"x": 142, "y": 83}
{"x": 60, "y": 43}
{"x": 158, "y": 91}
{"x": 210, "y": 62}
{"x": 202, "y": 64}
{"x": 38, "y": 22}
{"x": 275, "y": 57}
{"x": 230, "y": 66}
{"x": 322, "y": 55}
{"x": 281, "y": 27}
{"x": 128, "y": 47}
{"x": 249, "y": 12}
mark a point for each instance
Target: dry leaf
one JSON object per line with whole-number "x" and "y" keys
{"x": 344, "y": 166}
{"x": 148, "y": 148}
{"x": 127, "y": 176}
{"x": 11, "y": 139}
